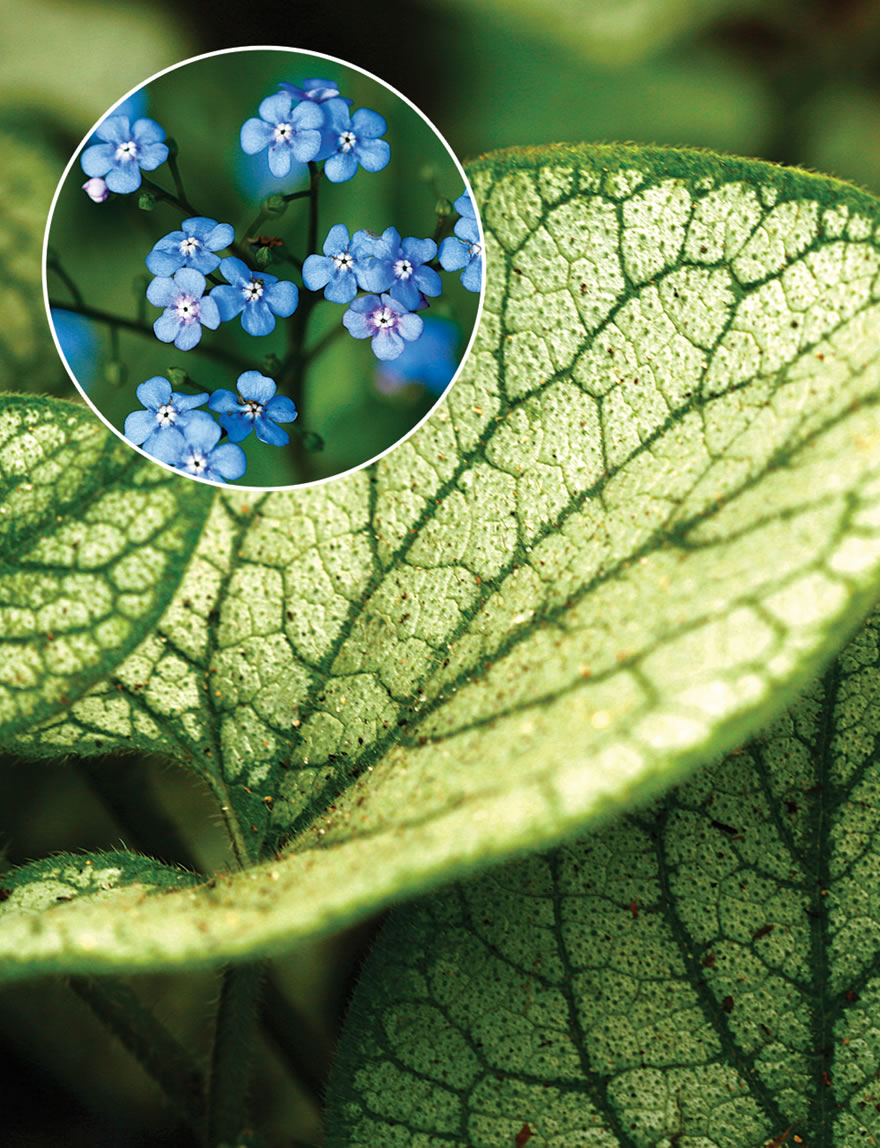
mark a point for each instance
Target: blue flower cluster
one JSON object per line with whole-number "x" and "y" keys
{"x": 180, "y": 261}
{"x": 313, "y": 124}
{"x": 171, "y": 429}
{"x": 395, "y": 275}
{"x": 201, "y": 277}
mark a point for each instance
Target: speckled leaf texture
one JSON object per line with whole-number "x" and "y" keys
{"x": 94, "y": 541}
{"x": 647, "y": 513}
{"x": 702, "y": 973}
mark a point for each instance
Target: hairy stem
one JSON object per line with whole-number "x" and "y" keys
{"x": 148, "y": 1041}
{"x": 232, "y": 1058}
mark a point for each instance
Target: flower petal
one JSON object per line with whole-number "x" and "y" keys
{"x": 305, "y": 145}
{"x": 167, "y": 447}
{"x": 186, "y": 403}
{"x": 98, "y": 159}
{"x": 223, "y": 401}
{"x": 229, "y": 301}
{"x": 167, "y": 326}
{"x": 154, "y": 393}
{"x": 146, "y": 131}
{"x": 387, "y": 345}
{"x": 307, "y": 116}
{"x": 188, "y": 336}
{"x": 116, "y": 129}
{"x": 357, "y": 324}
{"x": 268, "y": 432}
{"x": 236, "y": 425}
{"x": 164, "y": 263}
{"x": 337, "y": 240}
{"x": 373, "y": 154}
{"x": 252, "y": 385}
{"x": 150, "y": 156}
{"x": 124, "y": 180}
{"x": 191, "y": 281}
{"x": 139, "y": 425}
{"x": 223, "y": 235}
{"x": 276, "y": 109}
{"x": 209, "y": 313}
{"x": 257, "y": 319}
{"x": 229, "y": 461}
{"x": 472, "y": 276}
{"x": 418, "y": 250}
{"x": 235, "y": 272}
{"x": 410, "y": 327}
{"x": 202, "y": 431}
{"x": 368, "y": 124}
{"x": 280, "y": 409}
{"x": 255, "y": 135}
{"x": 340, "y": 167}
{"x": 280, "y": 159}
{"x": 316, "y": 271}
{"x": 281, "y": 298}
{"x": 453, "y": 254}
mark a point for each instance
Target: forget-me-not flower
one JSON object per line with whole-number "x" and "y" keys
{"x": 319, "y": 91}
{"x": 125, "y": 151}
{"x": 187, "y": 308}
{"x": 290, "y": 133}
{"x": 339, "y": 270}
{"x": 255, "y": 295}
{"x": 383, "y": 320}
{"x": 398, "y": 267}
{"x": 465, "y": 251}
{"x": 193, "y": 246}
{"x": 354, "y": 140}
{"x": 195, "y": 450}
{"x": 165, "y": 411}
{"x": 255, "y": 408}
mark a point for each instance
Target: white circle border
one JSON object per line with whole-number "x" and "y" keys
{"x": 294, "y": 51}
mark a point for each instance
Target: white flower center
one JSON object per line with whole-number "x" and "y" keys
{"x": 189, "y": 246}
{"x": 476, "y": 249}
{"x": 283, "y": 132}
{"x": 250, "y": 408}
{"x": 343, "y": 261}
{"x": 253, "y": 290}
{"x": 196, "y": 463}
{"x": 186, "y": 308}
{"x": 126, "y": 151}
{"x": 384, "y": 319}
{"x": 347, "y": 140}
{"x": 403, "y": 269}
{"x": 166, "y": 415}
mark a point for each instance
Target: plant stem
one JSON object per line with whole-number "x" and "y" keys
{"x": 141, "y": 328}
{"x": 148, "y": 1041}
{"x": 234, "y": 1040}
{"x": 53, "y": 263}
{"x": 306, "y": 1048}
{"x": 175, "y": 175}
{"x": 178, "y": 200}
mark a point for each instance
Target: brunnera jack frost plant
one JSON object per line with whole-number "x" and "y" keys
{"x": 642, "y": 526}
{"x": 207, "y": 273}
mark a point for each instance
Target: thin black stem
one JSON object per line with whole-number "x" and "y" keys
{"x": 234, "y": 1041}
{"x": 175, "y": 175}
{"x": 54, "y": 264}
{"x": 149, "y": 1042}
{"x": 142, "y": 328}
{"x": 168, "y": 196}
{"x": 299, "y": 194}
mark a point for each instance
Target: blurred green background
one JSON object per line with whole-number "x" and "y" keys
{"x": 797, "y": 83}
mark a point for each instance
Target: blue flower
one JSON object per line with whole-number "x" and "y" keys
{"x": 193, "y": 246}
{"x": 256, "y": 408}
{"x": 353, "y": 140}
{"x": 429, "y": 362}
{"x": 254, "y": 295}
{"x": 466, "y": 251}
{"x": 399, "y": 267}
{"x": 125, "y": 151}
{"x": 338, "y": 270}
{"x": 317, "y": 90}
{"x": 186, "y": 311}
{"x": 165, "y": 411}
{"x": 195, "y": 450}
{"x": 289, "y": 133}
{"x": 383, "y": 320}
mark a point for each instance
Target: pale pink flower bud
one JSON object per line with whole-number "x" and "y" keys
{"x": 96, "y": 189}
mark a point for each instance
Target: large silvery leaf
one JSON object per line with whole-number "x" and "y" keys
{"x": 94, "y": 541}
{"x": 703, "y": 972}
{"x": 647, "y": 513}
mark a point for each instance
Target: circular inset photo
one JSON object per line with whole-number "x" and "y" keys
{"x": 263, "y": 267}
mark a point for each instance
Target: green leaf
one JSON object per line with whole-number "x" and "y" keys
{"x": 704, "y": 972}
{"x": 649, "y": 510}
{"x": 94, "y": 542}
{"x": 86, "y": 877}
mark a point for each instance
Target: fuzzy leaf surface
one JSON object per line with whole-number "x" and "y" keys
{"x": 94, "y": 541}
{"x": 703, "y": 972}
{"x": 647, "y": 513}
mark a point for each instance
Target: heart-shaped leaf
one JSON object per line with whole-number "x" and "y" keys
{"x": 648, "y": 511}
{"x": 702, "y": 972}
